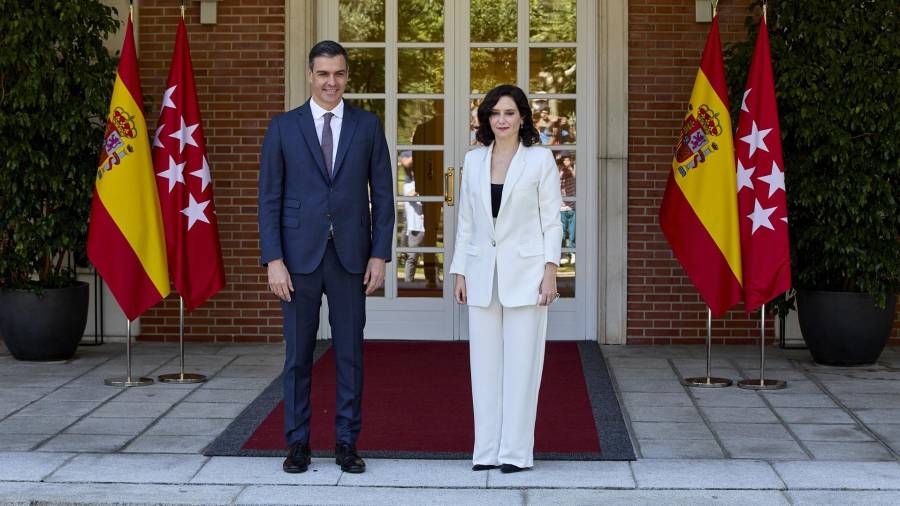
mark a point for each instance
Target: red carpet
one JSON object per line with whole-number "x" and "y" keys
{"x": 417, "y": 398}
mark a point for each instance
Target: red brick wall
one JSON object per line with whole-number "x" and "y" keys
{"x": 665, "y": 44}
{"x": 239, "y": 70}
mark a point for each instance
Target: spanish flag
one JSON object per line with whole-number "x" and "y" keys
{"x": 126, "y": 242}
{"x": 699, "y": 210}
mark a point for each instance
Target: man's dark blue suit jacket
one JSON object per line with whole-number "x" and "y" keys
{"x": 299, "y": 201}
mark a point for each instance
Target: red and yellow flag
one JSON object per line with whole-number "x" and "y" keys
{"x": 699, "y": 210}
{"x": 126, "y": 242}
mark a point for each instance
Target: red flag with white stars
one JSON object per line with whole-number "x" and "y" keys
{"x": 185, "y": 186}
{"x": 762, "y": 201}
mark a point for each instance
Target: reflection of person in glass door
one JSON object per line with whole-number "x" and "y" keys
{"x": 415, "y": 218}
{"x": 318, "y": 166}
{"x": 567, "y": 211}
{"x": 430, "y": 181}
{"x": 507, "y": 253}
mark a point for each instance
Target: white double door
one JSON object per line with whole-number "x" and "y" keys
{"x": 422, "y": 66}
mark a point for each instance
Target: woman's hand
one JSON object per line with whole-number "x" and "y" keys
{"x": 547, "y": 293}
{"x": 459, "y": 289}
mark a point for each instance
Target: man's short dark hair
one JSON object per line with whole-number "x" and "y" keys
{"x": 329, "y": 49}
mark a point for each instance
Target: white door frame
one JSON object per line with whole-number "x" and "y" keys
{"x": 602, "y": 55}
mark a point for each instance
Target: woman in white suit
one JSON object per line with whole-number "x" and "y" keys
{"x": 506, "y": 255}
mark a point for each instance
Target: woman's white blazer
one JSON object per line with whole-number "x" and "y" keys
{"x": 526, "y": 236}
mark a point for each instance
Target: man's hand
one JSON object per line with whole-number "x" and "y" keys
{"x": 280, "y": 280}
{"x": 374, "y": 277}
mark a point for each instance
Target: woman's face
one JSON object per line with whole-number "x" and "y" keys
{"x": 505, "y": 119}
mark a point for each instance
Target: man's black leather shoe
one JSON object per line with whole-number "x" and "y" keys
{"x": 509, "y": 468}
{"x": 345, "y": 456}
{"x": 483, "y": 467}
{"x": 298, "y": 459}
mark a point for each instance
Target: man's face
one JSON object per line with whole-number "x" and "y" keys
{"x": 328, "y": 79}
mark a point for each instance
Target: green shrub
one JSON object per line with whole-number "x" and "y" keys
{"x": 56, "y": 77}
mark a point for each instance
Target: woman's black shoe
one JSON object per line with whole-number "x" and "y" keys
{"x": 509, "y": 468}
{"x": 483, "y": 467}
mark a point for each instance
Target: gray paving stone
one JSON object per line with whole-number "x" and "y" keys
{"x": 98, "y": 393}
{"x": 188, "y": 427}
{"x": 377, "y": 496}
{"x": 266, "y": 471}
{"x": 630, "y": 373}
{"x": 210, "y": 395}
{"x": 886, "y": 430}
{"x": 17, "y": 424}
{"x": 735, "y": 414}
{"x": 115, "y": 409}
{"x": 727, "y": 397}
{"x": 680, "y": 449}
{"x": 558, "y": 474}
{"x": 84, "y": 443}
{"x": 158, "y": 393}
{"x": 879, "y": 416}
{"x": 664, "y": 414}
{"x": 22, "y": 466}
{"x": 207, "y": 410}
{"x": 848, "y": 451}
{"x": 768, "y": 449}
{"x": 870, "y": 400}
{"x": 275, "y": 361}
{"x": 752, "y": 430}
{"x": 800, "y": 400}
{"x": 115, "y": 493}
{"x": 657, "y": 497}
{"x": 54, "y": 408}
{"x": 843, "y": 498}
{"x": 649, "y": 385}
{"x": 652, "y": 399}
{"x": 638, "y": 363}
{"x": 413, "y": 473}
{"x": 168, "y": 444}
{"x": 795, "y": 387}
{"x": 121, "y": 468}
{"x": 862, "y": 387}
{"x": 20, "y": 442}
{"x": 840, "y": 475}
{"x": 237, "y": 383}
{"x": 829, "y": 432}
{"x": 705, "y": 474}
{"x": 814, "y": 415}
{"x": 670, "y": 430}
{"x": 269, "y": 372}
{"x": 111, "y": 426}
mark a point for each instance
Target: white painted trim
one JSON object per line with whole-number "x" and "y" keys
{"x": 613, "y": 157}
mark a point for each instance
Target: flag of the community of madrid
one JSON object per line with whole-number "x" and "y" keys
{"x": 185, "y": 186}
{"x": 125, "y": 237}
{"x": 762, "y": 201}
{"x": 699, "y": 209}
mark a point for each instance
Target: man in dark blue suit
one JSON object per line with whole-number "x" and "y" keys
{"x": 319, "y": 165}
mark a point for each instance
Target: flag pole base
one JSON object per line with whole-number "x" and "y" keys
{"x": 181, "y": 378}
{"x": 706, "y": 382}
{"x": 128, "y": 382}
{"x": 762, "y": 384}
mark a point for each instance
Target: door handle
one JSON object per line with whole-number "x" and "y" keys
{"x": 449, "y": 187}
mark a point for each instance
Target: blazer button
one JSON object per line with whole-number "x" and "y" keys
{"x": 493, "y": 243}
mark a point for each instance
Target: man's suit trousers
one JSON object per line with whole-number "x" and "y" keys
{"x": 347, "y": 316}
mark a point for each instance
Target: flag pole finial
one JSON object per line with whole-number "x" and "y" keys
{"x": 715, "y": 6}
{"x": 765, "y": 6}
{"x": 182, "y": 10}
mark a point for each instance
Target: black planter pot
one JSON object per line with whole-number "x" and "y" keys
{"x": 844, "y": 328}
{"x": 48, "y": 327}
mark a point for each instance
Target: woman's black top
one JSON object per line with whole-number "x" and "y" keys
{"x": 496, "y": 193}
